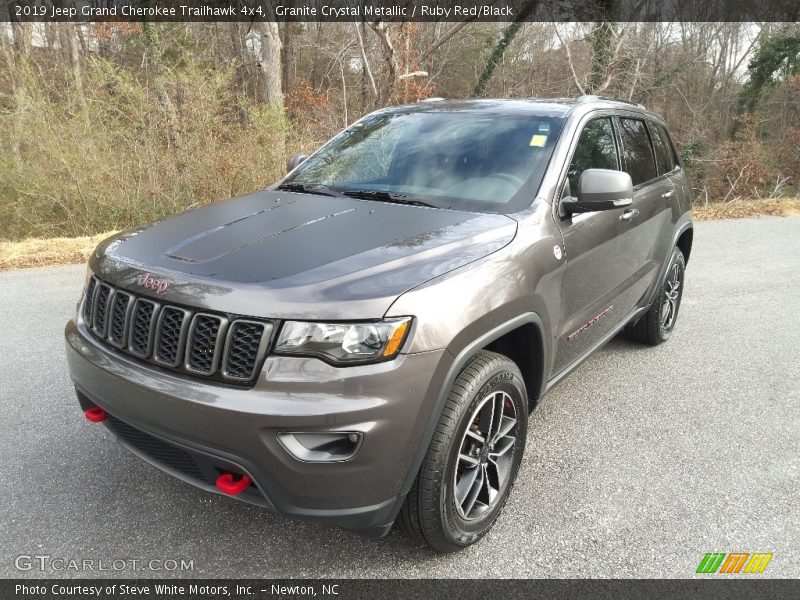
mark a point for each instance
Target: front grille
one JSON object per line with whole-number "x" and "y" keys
{"x": 245, "y": 340}
{"x": 143, "y": 319}
{"x": 119, "y": 318}
{"x": 170, "y": 335}
{"x": 101, "y": 309}
{"x": 89, "y": 304}
{"x": 157, "y": 449}
{"x": 218, "y": 346}
{"x": 203, "y": 350}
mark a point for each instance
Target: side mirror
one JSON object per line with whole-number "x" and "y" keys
{"x": 295, "y": 161}
{"x": 600, "y": 189}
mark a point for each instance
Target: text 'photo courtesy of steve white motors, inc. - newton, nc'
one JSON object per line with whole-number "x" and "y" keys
{"x": 175, "y": 590}
{"x": 257, "y": 10}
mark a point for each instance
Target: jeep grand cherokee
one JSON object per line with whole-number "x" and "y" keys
{"x": 362, "y": 342}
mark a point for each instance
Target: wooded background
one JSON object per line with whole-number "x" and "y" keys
{"x": 106, "y": 126}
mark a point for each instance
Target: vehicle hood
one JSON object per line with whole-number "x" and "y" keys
{"x": 288, "y": 255}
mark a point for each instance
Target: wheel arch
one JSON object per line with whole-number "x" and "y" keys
{"x": 684, "y": 242}
{"x": 500, "y": 336}
{"x": 524, "y": 345}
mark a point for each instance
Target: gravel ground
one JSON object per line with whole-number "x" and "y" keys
{"x": 639, "y": 463}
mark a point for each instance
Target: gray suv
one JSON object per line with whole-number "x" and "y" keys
{"x": 361, "y": 343}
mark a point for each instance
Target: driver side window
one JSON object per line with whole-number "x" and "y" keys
{"x": 596, "y": 149}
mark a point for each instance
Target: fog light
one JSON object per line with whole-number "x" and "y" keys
{"x": 328, "y": 446}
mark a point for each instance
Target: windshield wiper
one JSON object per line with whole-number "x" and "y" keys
{"x": 382, "y": 196}
{"x": 310, "y": 188}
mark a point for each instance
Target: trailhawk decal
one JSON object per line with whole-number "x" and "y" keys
{"x": 589, "y": 323}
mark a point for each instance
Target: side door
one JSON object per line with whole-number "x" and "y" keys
{"x": 598, "y": 286}
{"x": 653, "y": 194}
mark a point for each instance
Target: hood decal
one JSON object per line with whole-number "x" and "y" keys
{"x": 277, "y": 254}
{"x": 196, "y": 249}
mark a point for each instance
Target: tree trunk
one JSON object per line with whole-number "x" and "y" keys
{"x": 390, "y": 56}
{"x": 288, "y": 56}
{"x": 69, "y": 46}
{"x": 270, "y": 64}
{"x": 23, "y": 35}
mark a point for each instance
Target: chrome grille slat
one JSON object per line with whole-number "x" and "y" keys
{"x": 209, "y": 345}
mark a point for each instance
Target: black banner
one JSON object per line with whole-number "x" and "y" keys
{"x": 398, "y": 10}
{"x": 442, "y": 589}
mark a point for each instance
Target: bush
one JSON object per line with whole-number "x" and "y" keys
{"x": 128, "y": 146}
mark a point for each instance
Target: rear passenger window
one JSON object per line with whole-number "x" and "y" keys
{"x": 638, "y": 152}
{"x": 596, "y": 149}
{"x": 673, "y": 158}
{"x": 665, "y": 161}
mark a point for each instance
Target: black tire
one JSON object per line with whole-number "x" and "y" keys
{"x": 652, "y": 328}
{"x": 432, "y": 514}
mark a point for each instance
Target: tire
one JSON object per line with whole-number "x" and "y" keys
{"x": 442, "y": 509}
{"x": 656, "y": 325}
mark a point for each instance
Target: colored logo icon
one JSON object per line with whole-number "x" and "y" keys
{"x": 734, "y": 562}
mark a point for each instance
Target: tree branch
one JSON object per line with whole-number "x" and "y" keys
{"x": 564, "y": 45}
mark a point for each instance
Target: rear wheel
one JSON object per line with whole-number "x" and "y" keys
{"x": 658, "y": 322}
{"x": 473, "y": 459}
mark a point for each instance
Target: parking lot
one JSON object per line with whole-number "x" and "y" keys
{"x": 638, "y": 464}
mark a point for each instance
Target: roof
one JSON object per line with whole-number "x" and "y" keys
{"x": 556, "y": 107}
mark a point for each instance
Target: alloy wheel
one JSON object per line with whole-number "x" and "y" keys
{"x": 485, "y": 456}
{"x": 669, "y": 304}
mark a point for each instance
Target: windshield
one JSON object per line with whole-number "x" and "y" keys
{"x": 472, "y": 161}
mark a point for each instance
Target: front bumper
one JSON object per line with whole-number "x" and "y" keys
{"x": 216, "y": 425}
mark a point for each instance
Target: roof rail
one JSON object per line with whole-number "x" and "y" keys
{"x": 434, "y": 99}
{"x": 595, "y": 98}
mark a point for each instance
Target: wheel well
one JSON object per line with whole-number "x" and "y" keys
{"x": 523, "y": 345}
{"x": 685, "y": 243}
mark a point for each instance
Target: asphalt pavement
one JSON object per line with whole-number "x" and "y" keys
{"x": 639, "y": 463}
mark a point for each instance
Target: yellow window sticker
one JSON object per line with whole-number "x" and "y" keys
{"x": 538, "y": 140}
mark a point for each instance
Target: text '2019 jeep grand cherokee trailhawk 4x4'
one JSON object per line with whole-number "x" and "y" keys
{"x": 361, "y": 343}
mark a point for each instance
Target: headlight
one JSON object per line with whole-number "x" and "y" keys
{"x": 344, "y": 343}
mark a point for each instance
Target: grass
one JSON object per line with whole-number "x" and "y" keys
{"x": 40, "y": 252}
{"x": 743, "y": 209}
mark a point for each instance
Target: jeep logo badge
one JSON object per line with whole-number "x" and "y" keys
{"x": 148, "y": 281}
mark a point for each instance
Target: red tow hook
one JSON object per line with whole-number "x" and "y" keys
{"x": 95, "y": 414}
{"x": 227, "y": 485}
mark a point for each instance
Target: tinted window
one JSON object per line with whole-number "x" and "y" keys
{"x": 638, "y": 153}
{"x": 664, "y": 158}
{"x": 596, "y": 149}
{"x": 671, "y": 156}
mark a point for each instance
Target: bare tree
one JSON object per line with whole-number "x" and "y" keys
{"x": 269, "y": 64}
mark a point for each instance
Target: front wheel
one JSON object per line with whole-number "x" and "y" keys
{"x": 473, "y": 458}
{"x": 658, "y": 322}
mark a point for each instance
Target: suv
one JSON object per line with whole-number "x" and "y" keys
{"x": 362, "y": 342}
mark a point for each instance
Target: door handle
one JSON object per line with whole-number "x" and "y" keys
{"x": 667, "y": 194}
{"x": 629, "y": 214}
